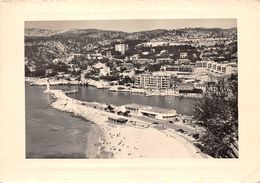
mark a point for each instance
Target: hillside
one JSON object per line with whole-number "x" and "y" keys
{"x": 42, "y": 46}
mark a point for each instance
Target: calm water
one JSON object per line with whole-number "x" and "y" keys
{"x": 54, "y": 134}
{"x": 182, "y": 106}
{"x": 51, "y": 133}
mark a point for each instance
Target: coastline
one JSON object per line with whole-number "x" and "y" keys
{"x": 93, "y": 135}
{"x": 105, "y": 85}
{"x": 122, "y": 141}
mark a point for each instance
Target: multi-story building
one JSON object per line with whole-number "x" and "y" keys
{"x": 178, "y": 68}
{"x": 183, "y": 55}
{"x": 121, "y": 48}
{"x": 219, "y": 68}
{"x": 152, "y": 81}
{"x": 183, "y": 59}
{"x": 201, "y": 64}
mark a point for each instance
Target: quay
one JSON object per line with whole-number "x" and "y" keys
{"x": 71, "y": 91}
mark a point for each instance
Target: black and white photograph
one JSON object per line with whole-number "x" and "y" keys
{"x": 131, "y": 89}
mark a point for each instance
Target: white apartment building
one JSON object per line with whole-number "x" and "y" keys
{"x": 121, "y": 48}
{"x": 183, "y": 59}
{"x": 219, "y": 68}
{"x": 183, "y": 55}
{"x": 152, "y": 81}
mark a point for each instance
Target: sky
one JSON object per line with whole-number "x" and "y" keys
{"x": 132, "y": 25}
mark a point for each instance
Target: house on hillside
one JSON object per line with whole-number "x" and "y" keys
{"x": 48, "y": 72}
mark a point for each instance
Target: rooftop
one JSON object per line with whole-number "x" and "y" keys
{"x": 152, "y": 108}
{"x": 133, "y": 105}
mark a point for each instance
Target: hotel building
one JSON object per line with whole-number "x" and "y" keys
{"x": 152, "y": 81}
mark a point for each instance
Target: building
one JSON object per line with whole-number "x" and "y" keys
{"x": 153, "y": 44}
{"x": 99, "y": 65}
{"x": 105, "y": 71}
{"x": 183, "y": 59}
{"x": 164, "y": 60}
{"x": 152, "y": 112}
{"x": 121, "y": 48}
{"x": 188, "y": 88}
{"x": 164, "y": 52}
{"x": 218, "y": 68}
{"x": 134, "y": 57}
{"x": 127, "y": 66}
{"x": 170, "y": 91}
{"x": 97, "y": 56}
{"x": 142, "y": 61}
{"x": 201, "y": 64}
{"x": 178, "y": 68}
{"x": 48, "y": 72}
{"x": 152, "y": 81}
{"x": 183, "y": 55}
{"x": 162, "y": 73}
{"x": 185, "y": 87}
{"x": 129, "y": 73}
{"x": 145, "y": 53}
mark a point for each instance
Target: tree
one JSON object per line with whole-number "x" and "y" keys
{"x": 153, "y": 68}
{"x": 27, "y": 71}
{"x": 217, "y": 112}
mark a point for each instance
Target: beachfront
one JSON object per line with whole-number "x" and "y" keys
{"x": 126, "y": 141}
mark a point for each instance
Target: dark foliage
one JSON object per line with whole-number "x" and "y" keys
{"x": 217, "y": 111}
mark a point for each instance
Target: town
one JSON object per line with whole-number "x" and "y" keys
{"x": 199, "y": 64}
{"x": 180, "y": 63}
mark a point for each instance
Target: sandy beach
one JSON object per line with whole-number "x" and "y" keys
{"x": 125, "y": 141}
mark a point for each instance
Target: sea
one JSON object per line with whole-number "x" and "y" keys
{"x": 51, "y": 133}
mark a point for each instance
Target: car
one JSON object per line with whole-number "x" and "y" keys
{"x": 170, "y": 122}
{"x": 155, "y": 123}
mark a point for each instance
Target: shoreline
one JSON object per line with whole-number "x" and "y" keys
{"x": 93, "y": 135}
{"x": 119, "y": 141}
{"x": 104, "y": 85}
